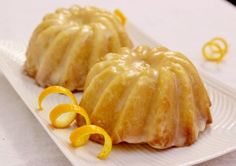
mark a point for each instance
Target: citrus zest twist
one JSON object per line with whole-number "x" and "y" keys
{"x": 121, "y": 16}
{"x": 63, "y": 115}
{"x": 215, "y": 49}
{"x": 59, "y": 121}
{"x": 70, "y": 110}
{"x": 77, "y": 136}
{"x": 55, "y": 89}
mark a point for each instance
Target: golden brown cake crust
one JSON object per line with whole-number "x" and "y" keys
{"x": 147, "y": 95}
{"x": 68, "y": 42}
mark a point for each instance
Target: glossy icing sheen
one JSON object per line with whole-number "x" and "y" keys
{"x": 69, "y": 42}
{"x": 147, "y": 95}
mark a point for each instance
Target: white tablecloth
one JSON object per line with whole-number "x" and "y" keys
{"x": 182, "y": 25}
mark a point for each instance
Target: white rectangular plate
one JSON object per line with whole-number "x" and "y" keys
{"x": 217, "y": 140}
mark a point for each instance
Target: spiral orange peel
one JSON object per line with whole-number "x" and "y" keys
{"x": 65, "y": 121}
{"x": 55, "y": 89}
{"x": 77, "y": 136}
{"x": 215, "y": 49}
{"x": 62, "y": 115}
{"x": 121, "y": 16}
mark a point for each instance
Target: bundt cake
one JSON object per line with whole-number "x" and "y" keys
{"x": 69, "y": 42}
{"x": 147, "y": 95}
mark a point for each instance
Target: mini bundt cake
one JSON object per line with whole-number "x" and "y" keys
{"x": 69, "y": 42}
{"x": 147, "y": 95}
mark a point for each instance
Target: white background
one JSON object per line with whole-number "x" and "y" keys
{"x": 182, "y": 25}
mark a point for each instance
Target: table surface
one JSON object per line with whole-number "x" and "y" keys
{"x": 182, "y": 25}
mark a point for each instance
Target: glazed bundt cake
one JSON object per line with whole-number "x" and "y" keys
{"x": 69, "y": 42}
{"x": 147, "y": 95}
